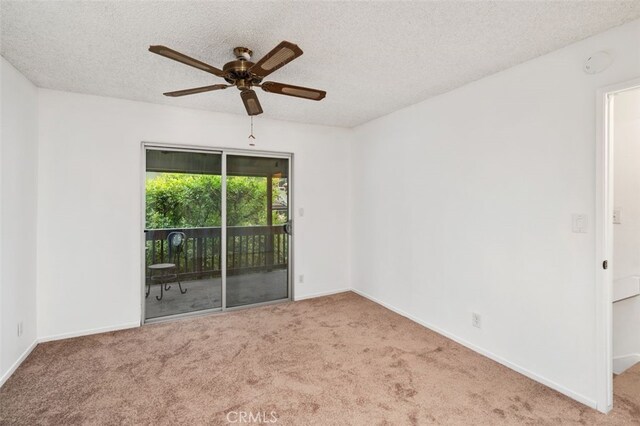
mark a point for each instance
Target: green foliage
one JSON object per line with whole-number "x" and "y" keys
{"x": 178, "y": 200}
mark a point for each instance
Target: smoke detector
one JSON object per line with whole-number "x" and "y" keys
{"x": 597, "y": 62}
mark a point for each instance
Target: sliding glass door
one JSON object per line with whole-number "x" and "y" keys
{"x": 257, "y": 230}
{"x": 188, "y": 268}
{"x": 183, "y": 232}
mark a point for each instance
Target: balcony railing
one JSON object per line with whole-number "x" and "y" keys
{"x": 249, "y": 248}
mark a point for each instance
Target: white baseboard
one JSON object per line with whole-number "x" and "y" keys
{"x": 324, "y": 293}
{"x": 553, "y": 385}
{"x": 622, "y": 363}
{"x": 88, "y": 332}
{"x": 19, "y": 361}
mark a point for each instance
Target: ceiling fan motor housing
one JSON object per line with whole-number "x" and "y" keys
{"x": 237, "y": 72}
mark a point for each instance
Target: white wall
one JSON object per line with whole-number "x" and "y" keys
{"x": 626, "y": 248}
{"x": 463, "y": 204}
{"x": 18, "y": 178}
{"x": 89, "y": 220}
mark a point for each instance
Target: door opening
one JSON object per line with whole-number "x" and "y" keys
{"x": 617, "y": 236}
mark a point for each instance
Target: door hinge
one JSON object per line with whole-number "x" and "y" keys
{"x": 605, "y": 264}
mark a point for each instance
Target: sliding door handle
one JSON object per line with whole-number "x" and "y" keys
{"x": 288, "y": 228}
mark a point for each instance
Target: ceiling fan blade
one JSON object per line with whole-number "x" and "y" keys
{"x": 279, "y": 56}
{"x": 177, "y": 56}
{"x": 196, "y": 90}
{"x": 290, "y": 90}
{"x": 251, "y": 102}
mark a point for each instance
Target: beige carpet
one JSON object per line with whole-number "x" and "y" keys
{"x": 333, "y": 360}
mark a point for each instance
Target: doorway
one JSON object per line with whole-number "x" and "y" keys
{"x": 617, "y": 239}
{"x": 217, "y": 231}
{"x": 625, "y": 123}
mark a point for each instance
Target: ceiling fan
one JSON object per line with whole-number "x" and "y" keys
{"x": 244, "y": 74}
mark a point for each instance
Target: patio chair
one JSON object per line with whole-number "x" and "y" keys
{"x": 168, "y": 272}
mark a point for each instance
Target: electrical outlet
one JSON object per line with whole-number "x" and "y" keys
{"x": 476, "y": 320}
{"x": 301, "y": 278}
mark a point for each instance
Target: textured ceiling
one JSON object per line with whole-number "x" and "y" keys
{"x": 371, "y": 58}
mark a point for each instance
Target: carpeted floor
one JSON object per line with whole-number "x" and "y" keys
{"x": 333, "y": 360}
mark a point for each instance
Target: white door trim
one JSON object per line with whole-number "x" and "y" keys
{"x": 604, "y": 242}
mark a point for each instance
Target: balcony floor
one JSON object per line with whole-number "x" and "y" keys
{"x": 243, "y": 289}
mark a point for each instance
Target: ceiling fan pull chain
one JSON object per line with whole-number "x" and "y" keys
{"x": 251, "y": 135}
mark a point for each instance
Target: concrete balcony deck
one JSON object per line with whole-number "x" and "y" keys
{"x": 242, "y": 289}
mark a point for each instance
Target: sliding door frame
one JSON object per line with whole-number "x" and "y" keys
{"x": 224, "y": 152}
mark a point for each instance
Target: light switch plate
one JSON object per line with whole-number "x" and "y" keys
{"x": 617, "y": 216}
{"x": 579, "y": 223}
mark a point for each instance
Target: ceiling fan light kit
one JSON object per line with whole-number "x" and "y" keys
{"x": 244, "y": 74}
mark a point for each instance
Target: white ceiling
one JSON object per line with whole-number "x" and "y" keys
{"x": 371, "y": 57}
